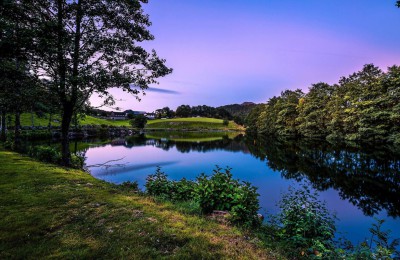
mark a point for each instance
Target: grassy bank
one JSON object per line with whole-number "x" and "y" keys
{"x": 195, "y": 123}
{"x": 48, "y": 211}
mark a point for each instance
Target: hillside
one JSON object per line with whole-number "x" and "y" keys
{"x": 239, "y": 110}
{"x": 195, "y": 123}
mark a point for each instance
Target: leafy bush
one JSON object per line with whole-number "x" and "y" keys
{"x": 307, "y": 228}
{"x": 225, "y": 122}
{"x": 218, "y": 192}
{"x": 52, "y": 155}
{"x": 183, "y": 190}
{"x": 222, "y": 192}
{"x": 130, "y": 185}
{"x": 45, "y": 154}
{"x": 380, "y": 246}
{"x": 158, "y": 185}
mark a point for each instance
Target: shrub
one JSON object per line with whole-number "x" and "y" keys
{"x": 222, "y": 192}
{"x": 133, "y": 186}
{"x": 183, "y": 190}
{"x": 158, "y": 185}
{"x": 52, "y": 155}
{"x": 225, "y": 122}
{"x": 218, "y": 192}
{"x": 45, "y": 154}
{"x": 306, "y": 226}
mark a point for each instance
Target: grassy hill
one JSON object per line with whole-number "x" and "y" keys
{"x": 195, "y": 123}
{"x": 52, "y": 212}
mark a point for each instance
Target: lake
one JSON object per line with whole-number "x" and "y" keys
{"x": 357, "y": 184}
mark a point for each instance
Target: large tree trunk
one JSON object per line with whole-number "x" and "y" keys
{"x": 65, "y": 125}
{"x": 17, "y": 129}
{"x": 3, "y": 126}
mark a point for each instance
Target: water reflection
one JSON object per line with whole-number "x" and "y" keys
{"x": 368, "y": 178}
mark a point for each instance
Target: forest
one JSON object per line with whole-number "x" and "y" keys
{"x": 362, "y": 107}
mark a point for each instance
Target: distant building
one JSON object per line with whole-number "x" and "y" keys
{"x": 117, "y": 116}
{"x": 150, "y": 116}
{"x": 130, "y": 111}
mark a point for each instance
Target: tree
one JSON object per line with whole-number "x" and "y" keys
{"x": 18, "y": 87}
{"x": 139, "y": 121}
{"x": 86, "y": 47}
{"x": 183, "y": 111}
{"x": 398, "y": 4}
{"x": 313, "y": 115}
{"x": 287, "y": 112}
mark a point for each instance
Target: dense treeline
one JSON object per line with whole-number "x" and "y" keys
{"x": 202, "y": 111}
{"x": 364, "y": 106}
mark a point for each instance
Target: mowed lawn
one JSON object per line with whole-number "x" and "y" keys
{"x": 26, "y": 120}
{"x": 198, "y": 123}
{"x": 51, "y": 212}
{"x": 192, "y": 123}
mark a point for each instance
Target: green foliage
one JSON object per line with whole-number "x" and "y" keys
{"x": 362, "y": 107}
{"x": 222, "y": 192}
{"x": 52, "y": 155}
{"x": 130, "y": 185}
{"x": 218, "y": 192}
{"x": 225, "y": 122}
{"x": 157, "y": 184}
{"x": 239, "y": 112}
{"x": 139, "y": 121}
{"x": 307, "y": 228}
{"x": 379, "y": 246}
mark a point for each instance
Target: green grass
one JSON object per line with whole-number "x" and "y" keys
{"x": 191, "y": 136}
{"x": 52, "y": 212}
{"x": 89, "y": 120}
{"x": 195, "y": 123}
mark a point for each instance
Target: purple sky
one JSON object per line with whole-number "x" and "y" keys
{"x": 231, "y": 51}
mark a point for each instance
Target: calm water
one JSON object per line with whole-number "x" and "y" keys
{"x": 356, "y": 184}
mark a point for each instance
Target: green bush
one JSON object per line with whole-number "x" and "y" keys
{"x": 132, "y": 186}
{"x": 158, "y": 185}
{"x": 379, "y": 246}
{"x": 183, "y": 190}
{"x": 52, "y": 155}
{"x": 45, "y": 154}
{"x": 307, "y": 228}
{"x": 218, "y": 192}
{"x": 222, "y": 192}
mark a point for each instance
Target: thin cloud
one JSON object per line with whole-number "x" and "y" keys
{"x": 164, "y": 91}
{"x": 157, "y": 90}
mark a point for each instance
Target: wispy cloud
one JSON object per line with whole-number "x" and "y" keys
{"x": 157, "y": 90}
{"x": 164, "y": 91}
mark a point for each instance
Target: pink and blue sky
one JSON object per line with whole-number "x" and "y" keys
{"x": 231, "y": 51}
